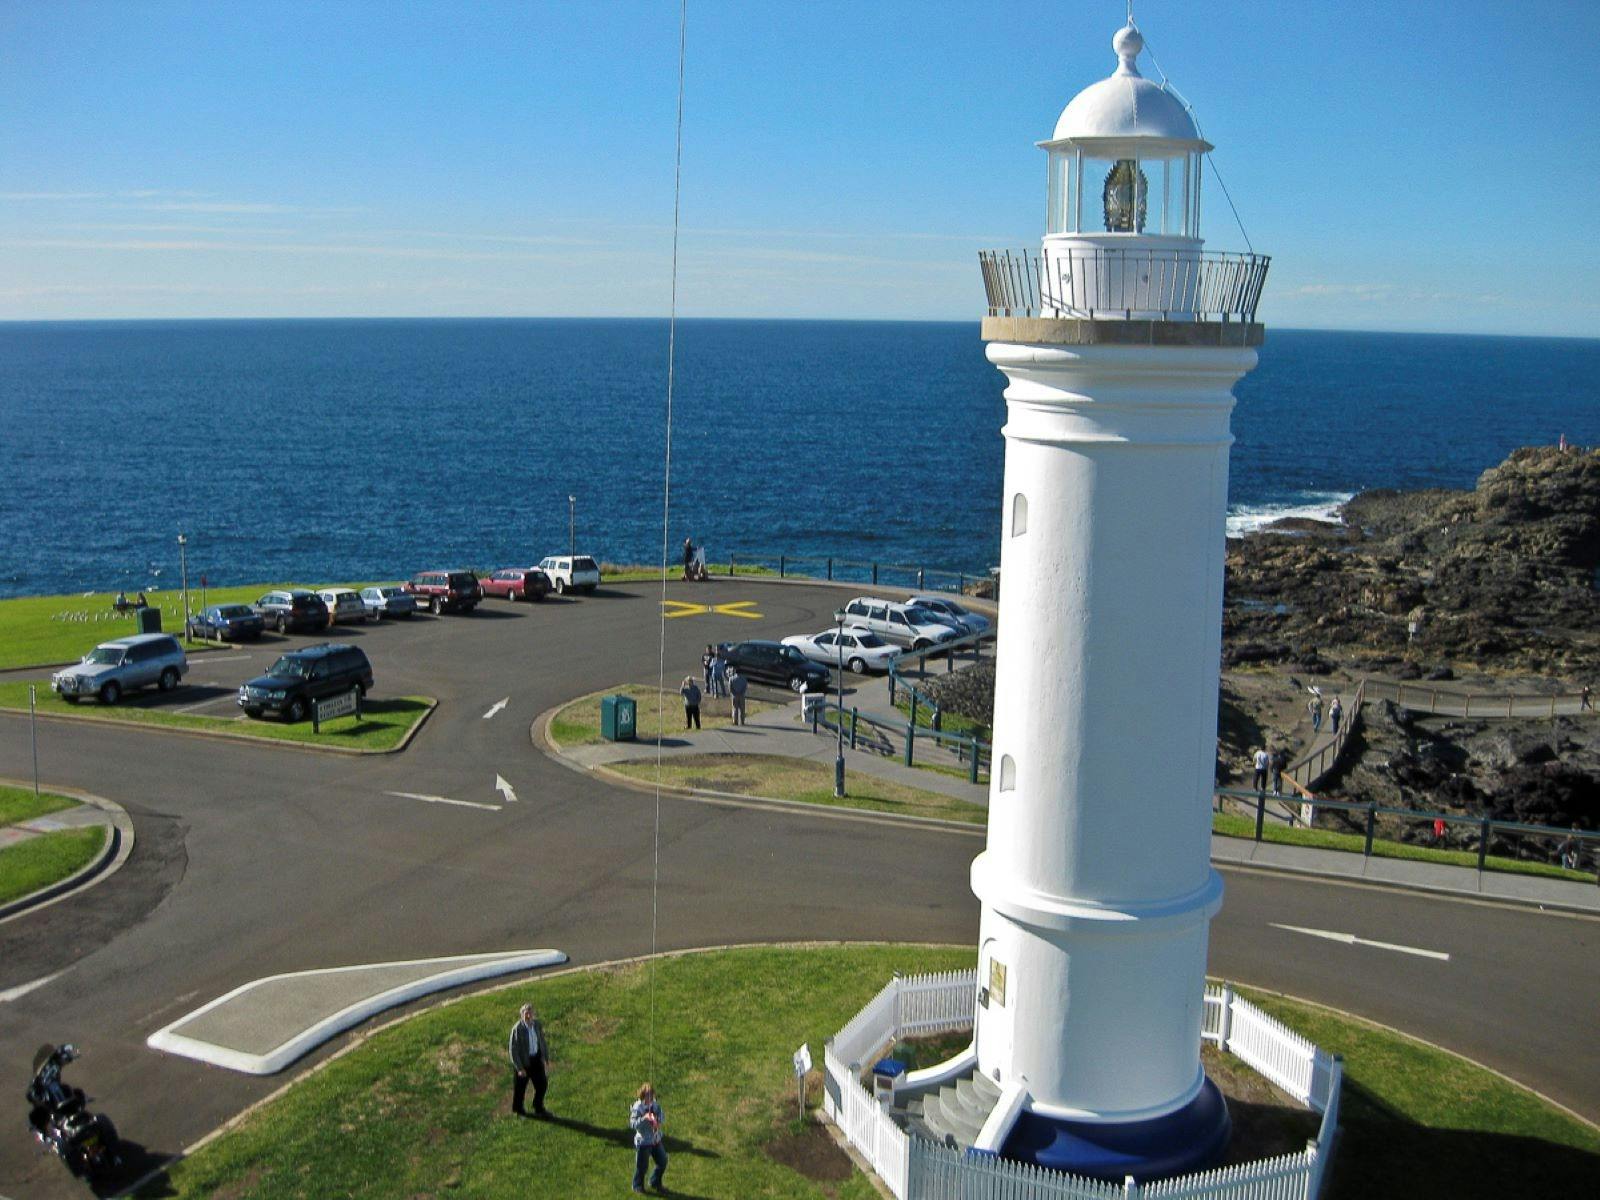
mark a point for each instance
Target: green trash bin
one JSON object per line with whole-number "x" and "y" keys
{"x": 619, "y": 718}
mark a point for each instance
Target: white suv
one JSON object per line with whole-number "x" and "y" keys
{"x": 344, "y": 606}
{"x": 571, "y": 574}
{"x": 903, "y": 624}
{"x": 123, "y": 665}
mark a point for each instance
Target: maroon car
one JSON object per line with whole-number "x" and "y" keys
{"x": 516, "y": 583}
{"x": 445, "y": 591}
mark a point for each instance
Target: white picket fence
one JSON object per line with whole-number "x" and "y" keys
{"x": 915, "y": 1169}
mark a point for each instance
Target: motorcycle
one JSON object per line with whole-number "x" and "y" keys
{"x": 59, "y": 1117}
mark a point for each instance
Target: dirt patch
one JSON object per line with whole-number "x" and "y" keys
{"x": 242, "y": 1188}
{"x": 1266, "y": 1121}
{"x": 809, "y": 1150}
{"x": 447, "y": 1060}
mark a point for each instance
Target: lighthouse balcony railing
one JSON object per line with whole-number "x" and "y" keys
{"x": 1110, "y": 283}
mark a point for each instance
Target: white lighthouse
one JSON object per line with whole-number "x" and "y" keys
{"x": 1121, "y": 342}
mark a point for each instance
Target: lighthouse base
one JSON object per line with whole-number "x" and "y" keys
{"x": 1191, "y": 1138}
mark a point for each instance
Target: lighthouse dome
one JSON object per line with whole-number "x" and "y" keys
{"x": 1127, "y": 105}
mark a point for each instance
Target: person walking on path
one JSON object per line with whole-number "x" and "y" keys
{"x": 1314, "y": 707}
{"x": 645, "y": 1120}
{"x": 1280, "y": 757}
{"x": 530, "y": 1053}
{"x": 1262, "y": 761}
{"x": 737, "y": 688}
{"x": 1583, "y": 699}
{"x": 690, "y": 691}
{"x": 1335, "y": 711}
{"x": 1570, "y": 850}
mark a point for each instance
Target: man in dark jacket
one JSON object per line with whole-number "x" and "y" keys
{"x": 530, "y": 1053}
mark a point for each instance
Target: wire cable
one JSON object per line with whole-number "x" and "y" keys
{"x": 666, "y": 527}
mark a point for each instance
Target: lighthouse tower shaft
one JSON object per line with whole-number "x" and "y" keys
{"x": 1096, "y": 881}
{"x": 1121, "y": 341}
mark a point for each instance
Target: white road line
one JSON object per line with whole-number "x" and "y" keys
{"x": 1350, "y": 939}
{"x": 496, "y": 708}
{"x": 211, "y": 658}
{"x": 504, "y": 788}
{"x": 443, "y": 800}
{"x": 188, "y": 708}
{"x": 22, "y": 990}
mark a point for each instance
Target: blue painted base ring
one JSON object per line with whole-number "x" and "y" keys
{"x": 1190, "y": 1139}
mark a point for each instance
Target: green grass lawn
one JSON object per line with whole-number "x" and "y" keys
{"x": 619, "y": 573}
{"x": 382, "y": 724}
{"x": 1235, "y": 825}
{"x": 19, "y": 804}
{"x": 44, "y": 630}
{"x": 949, "y": 722}
{"x": 40, "y": 861}
{"x": 578, "y": 724}
{"x": 773, "y": 778}
{"x": 421, "y": 1109}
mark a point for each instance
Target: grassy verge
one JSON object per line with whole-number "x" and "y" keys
{"x": 773, "y": 778}
{"x": 18, "y": 804}
{"x": 383, "y": 723}
{"x": 578, "y": 724}
{"x": 421, "y": 1108}
{"x": 1234, "y": 825}
{"x": 631, "y": 573}
{"x": 40, "y": 861}
{"x": 949, "y": 722}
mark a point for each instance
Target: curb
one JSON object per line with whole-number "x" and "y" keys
{"x": 539, "y": 734}
{"x": 118, "y": 846}
{"x": 225, "y": 736}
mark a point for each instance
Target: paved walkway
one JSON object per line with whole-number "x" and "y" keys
{"x": 68, "y": 818}
{"x": 780, "y": 731}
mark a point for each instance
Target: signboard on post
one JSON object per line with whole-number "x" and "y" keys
{"x": 342, "y": 705}
{"x": 802, "y": 1064}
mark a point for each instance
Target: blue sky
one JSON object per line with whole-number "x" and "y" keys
{"x": 1408, "y": 166}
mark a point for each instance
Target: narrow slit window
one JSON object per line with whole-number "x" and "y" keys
{"x": 1008, "y": 773}
{"x": 1019, "y": 515}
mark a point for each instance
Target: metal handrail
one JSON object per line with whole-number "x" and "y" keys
{"x": 1151, "y": 283}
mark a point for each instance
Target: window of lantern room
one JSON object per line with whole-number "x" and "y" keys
{"x": 1125, "y": 197}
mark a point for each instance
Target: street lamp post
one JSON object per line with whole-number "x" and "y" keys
{"x": 572, "y": 527}
{"x": 838, "y": 762}
{"x": 183, "y": 567}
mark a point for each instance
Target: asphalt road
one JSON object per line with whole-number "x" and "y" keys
{"x": 257, "y": 860}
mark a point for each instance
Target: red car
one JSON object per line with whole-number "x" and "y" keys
{"x": 516, "y": 583}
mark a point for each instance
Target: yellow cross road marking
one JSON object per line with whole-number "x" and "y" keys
{"x": 684, "y": 608}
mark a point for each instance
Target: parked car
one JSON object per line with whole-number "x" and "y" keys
{"x": 773, "y": 662}
{"x": 516, "y": 583}
{"x": 123, "y": 665}
{"x": 858, "y": 648}
{"x": 964, "y": 618}
{"x": 903, "y": 624}
{"x": 390, "y": 600}
{"x": 292, "y": 610}
{"x": 446, "y": 591}
{"x": 226, "y": 623}
{"x": 301, "y": 677}
{"x": 343, "y": 605}
{"x": 569, "y": 573}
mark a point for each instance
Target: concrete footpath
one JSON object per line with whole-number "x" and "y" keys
{"x": 781, "y": 732}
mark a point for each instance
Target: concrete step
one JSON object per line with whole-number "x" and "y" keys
{"x": 987, "y": 1088}
{"x": 947, "y": 1113}
{"x": 970, "y": 1097}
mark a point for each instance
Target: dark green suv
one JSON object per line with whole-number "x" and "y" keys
{"x": 302, "y": 677}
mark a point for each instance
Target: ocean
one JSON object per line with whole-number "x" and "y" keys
{"x": 324, "y": 450}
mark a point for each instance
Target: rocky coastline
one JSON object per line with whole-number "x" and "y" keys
{"x": 1491, "y": 590}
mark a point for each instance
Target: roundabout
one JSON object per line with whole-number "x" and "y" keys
{"x": 253, "y": 861}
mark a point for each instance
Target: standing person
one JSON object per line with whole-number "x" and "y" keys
{"x": 1570, "y": 849}
{"x": 1280, "y": 756}
{"x": 645, "y": 1120}
{"x": 719, "y": 675}
{"x": 1583, "y": 699}
{"x": 706, "y": 660}
{"x": 529, "y": 1055}
{"x": 1314, "y": 707}
{"x": 1262, "y": 761}
{"x": 688, "y": 558}
{"x": 737, "y": 688}
{"x": 690, "y": 691}
{"x": 1335, "y": 711}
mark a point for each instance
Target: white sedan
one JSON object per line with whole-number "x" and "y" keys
{"x": 861, "y": 649}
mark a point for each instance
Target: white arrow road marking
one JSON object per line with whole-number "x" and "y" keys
{"x": 504, "y": 788}
{"x": 1350, "y": 939}
{"x": 443, "y": 800}
{"x": 22, "y": 990}
{"x": 496, "y": 708}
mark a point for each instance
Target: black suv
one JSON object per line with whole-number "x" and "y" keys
{"x": 773, "y": 662}
{"x": 292, "y": 610}
{"x": 302, "y": 677}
